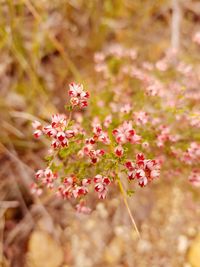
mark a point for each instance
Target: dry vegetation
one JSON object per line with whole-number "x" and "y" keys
{"x": 45, "y": 45}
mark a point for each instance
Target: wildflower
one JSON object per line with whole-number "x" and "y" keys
{"x": 93, "y": 154}
{"x": 145, "y": 145}
{"x": 125, "y": 133}
{"x": 39, "y": 174}
{"x": 35, "y": 189}
{"x": 162, "y": 65}
{"x": 82, "y": 189}
{"x": 107, "y": 121}
{"x": 100, "y": 135}
{"x": 38, "y": 129}
{"x": 119, "y": 151}
{"x": 126, "y": 109}
{"x": 101, "y": 184}
{"x": 78, "y": 96}
{"x": 194, "y": 178}
{"x": 192, "y": 154}
{"x": 143, "y": 170}
{"x": 46, "y": 177}
{"x": 82, "y": 208}
{"x": 141, "y": 117}
{"x": 58, "y": 121}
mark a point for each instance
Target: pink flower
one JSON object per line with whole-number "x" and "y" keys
{"x": 78, "y": 96}
{"x": 90, "y": 152}
{"x": 130, "y": 165}
{"x": 101, "y": 184}
{"x": 194, "y": 178}
{"x": 50, "y": 131}
{"x": 119, "y": 151}
{"x": 125, "y": 133}
{"x": 162, "y": 65}
{"x": 97, "y": 129}
{"x": 82, "y": 208}
{"x": 141, "y": 117}
{"x": 145, "y": 145}
{"x": 35, "y": 189}
{"x": 38, "y": 129}
{"x": 73, "y": 188}
{"x": 79, "y": 191}
{"x": 46, "y": 177}
{"x": 58, "y": 121}
{"x": 57, "y": 131}
{"x": 61, "y": 136}
{"x": 126, "y": 108}
{"x": 143, "y": 170}
{"x": 108, "y": 121}
{"x": 49, "y": 178}
{"x": 39, "y": 174}
{"x": 100, "y": 135}
{"x": 103, "y": 137}
{"x": 192, "y": 154}
{"x": 82, "y": 189}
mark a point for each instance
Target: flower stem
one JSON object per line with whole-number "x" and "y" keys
{"x": 69, "y": 119}
{"x": 127, "y": 205}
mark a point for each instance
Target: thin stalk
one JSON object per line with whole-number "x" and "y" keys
{"x": 127, "y": 205}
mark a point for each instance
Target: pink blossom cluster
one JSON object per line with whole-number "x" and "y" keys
{"x": 46, "y": 177}
{"x": 79, "y": 97}
{"x": 170, "y": 120}
{"x": 141, "y": 117}
{"x": 90, "y": 152}
{"x": 71, "y": 187}
{"x": 57, "y": 131}
{"x": 143, "y": 170}
{"x": 164, "y": 135}
{"x": 98, "y": 151}
{"x": 192, "y": 154}
{"x": 101, "y": 185}
{"x": 125, "y": 133}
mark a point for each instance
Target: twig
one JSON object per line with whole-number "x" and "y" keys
{"x": 2, "y": 224}
{"x": 8, "y": 204}
{"x": 175, "y": 25}
{"x": 127, "y": 205}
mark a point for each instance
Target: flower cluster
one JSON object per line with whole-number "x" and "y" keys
{"x": 165, "y": 135}
{"x": 125, "y": 133}
{"x": 101, "y": 185}
{"x": 71, "y": 187}
{"x": 143, "y": 170}
{"x": 98, "y": 151}
{"x": 57, "y": 131}
{"x": 164, "y": 111}
{"x": 192, "y": 154}
{"x": 46, "y": 177}
{"x": 141, "y": 117}
{"x": 78, "y": 96}
{"x": 89, "y": 151}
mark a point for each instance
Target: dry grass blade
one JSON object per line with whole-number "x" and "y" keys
{"x": 55, "y": 42}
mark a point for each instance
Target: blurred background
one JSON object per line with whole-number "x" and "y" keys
{"x": 44, "y": 45}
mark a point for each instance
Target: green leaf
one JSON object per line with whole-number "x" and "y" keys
{"x": 130, "y": 193}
